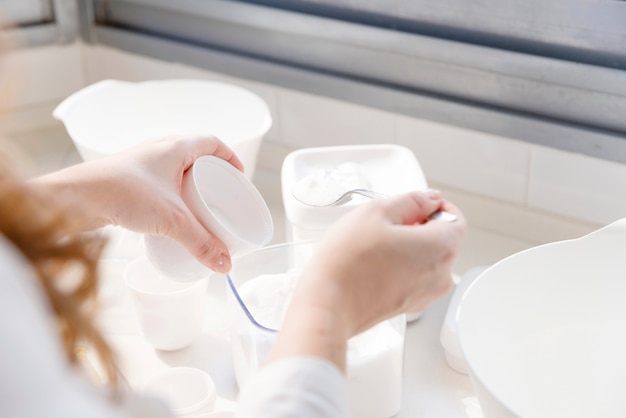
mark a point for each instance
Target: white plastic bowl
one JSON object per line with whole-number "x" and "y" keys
{"x": 111, "y": 115}
{"x": 544, "y": 331}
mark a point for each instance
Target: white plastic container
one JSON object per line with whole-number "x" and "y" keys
{"x": 111, "y": 115}
{"x": 385, "y": 168}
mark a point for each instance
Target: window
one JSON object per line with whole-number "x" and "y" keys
{"x": 551, "y": 72}
{"x": 39, "y": 22}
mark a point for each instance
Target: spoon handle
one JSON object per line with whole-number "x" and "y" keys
{"x": 369, "y": 193}
{"x": 440, "y": 215}
{"x": 443, "y": 216}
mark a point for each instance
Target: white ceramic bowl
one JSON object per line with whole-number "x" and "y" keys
{"x": 544, "y": 331}
{"x": 187, "y": 391}
{"x": 111, "y": 115}
{"x": 227, "y": 204}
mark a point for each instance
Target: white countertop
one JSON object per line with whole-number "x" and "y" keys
{"x": 430, "y": 388}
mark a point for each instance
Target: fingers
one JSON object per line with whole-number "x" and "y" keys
{"x": 211, "y": 145}
{"x": 449, "y": 207}
{"x": 414, "y": 207}
{"x": 204, "y": 246}
{"x": 458, "y": 226}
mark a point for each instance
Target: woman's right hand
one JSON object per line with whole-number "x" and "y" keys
{"x": 382, "y": 259}
{"x": 140, "y": 189}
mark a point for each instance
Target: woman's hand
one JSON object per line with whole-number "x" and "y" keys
{"x": 382, "y": 259}
{"x": 140, "y": 189}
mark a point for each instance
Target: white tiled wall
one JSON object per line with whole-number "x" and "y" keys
{"x": 308, "y": 120}
{"x": 43, "y": 74}
{"x": 505, "y": 186}
{"x": 468, "y": 160}
{"x": 577, "y": 185}
{"x": 34, "y": 81}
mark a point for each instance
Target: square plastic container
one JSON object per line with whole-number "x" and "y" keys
{"x": 385, "y": 168}
{"x": 264, "y": 280}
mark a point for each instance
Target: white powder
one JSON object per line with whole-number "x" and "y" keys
{"x": 375, "y": 357}
{"x": 323, "y": 186}
{"x": 375, "y": 360}
{"x": 267, "y": 297}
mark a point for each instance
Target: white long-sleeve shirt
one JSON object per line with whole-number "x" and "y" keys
{"x": 302, "y": 387}
{"x": 36, "y": 380}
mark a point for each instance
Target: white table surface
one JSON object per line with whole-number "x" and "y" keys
{"x": 430, "y": 388}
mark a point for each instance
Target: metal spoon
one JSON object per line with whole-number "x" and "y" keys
{"x": 439, "y": 215}
{"x": 347, "y": 196}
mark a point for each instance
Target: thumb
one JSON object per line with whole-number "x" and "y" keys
{"x": 413, "y": 207}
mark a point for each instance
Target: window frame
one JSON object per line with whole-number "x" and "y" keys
{"x": 58, "y": 26}
{"x": 548, "y": 101}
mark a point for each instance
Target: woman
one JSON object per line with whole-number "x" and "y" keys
{"x": 382, "y": 259}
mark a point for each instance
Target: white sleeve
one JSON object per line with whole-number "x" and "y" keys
{"x": 36, "y": 380}
{"x": 303, "y": 387}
